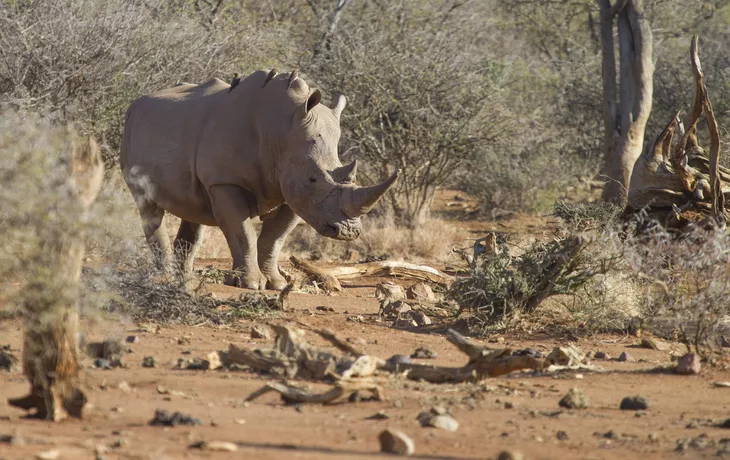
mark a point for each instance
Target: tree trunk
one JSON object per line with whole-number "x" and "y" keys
{"x": 624, "y": 137}
{"x": 50, "y": 347}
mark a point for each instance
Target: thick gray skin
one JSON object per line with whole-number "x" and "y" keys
{"x": 217, "y": 158}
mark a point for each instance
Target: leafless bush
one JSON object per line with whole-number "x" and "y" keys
{"x": 84, "y": 61}
{"x": 686, "y": 284}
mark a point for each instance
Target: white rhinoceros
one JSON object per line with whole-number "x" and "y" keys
{"x": 216, "y": 157}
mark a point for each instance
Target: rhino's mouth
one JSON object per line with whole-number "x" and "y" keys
{"x": 345, "y": 230}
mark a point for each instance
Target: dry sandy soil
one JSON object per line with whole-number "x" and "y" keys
{"x": 518, "y": 412}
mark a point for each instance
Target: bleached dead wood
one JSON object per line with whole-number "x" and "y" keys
{"x": 330, "y": 276}
{"x": 688, "y": 178}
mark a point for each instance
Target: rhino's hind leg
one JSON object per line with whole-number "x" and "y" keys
{"x": 233, "y": 216}
{"x": 155, "y": 234}
{"x": 274, "y": 231}
{"x": 188, "y": 241}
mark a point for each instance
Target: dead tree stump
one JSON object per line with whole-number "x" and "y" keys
{"x": 50, "y": 348}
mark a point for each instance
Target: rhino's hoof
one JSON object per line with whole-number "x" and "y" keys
{"x": 277, "y": 284}
{"x": 243, "y": 282}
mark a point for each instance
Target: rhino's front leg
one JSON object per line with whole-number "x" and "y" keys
{"x": 274, "y": 231}
{"x": 232, "y": 212}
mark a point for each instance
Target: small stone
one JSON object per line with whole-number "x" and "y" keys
{"x": 510, "y": 455}
{"x": 195, "y": 364}
{"x": 601, "y": 355}
{"x": 259, "y": 332}
{"x": 562, "y": 435}
{"x": 132, "y": 339}
{"x": 149, "y": 361}
{"x": 124, "y": 386}
{"x": 164, "y": 418}
{"x": 380, "y": 415}
{"x": 215, "y": 446}
{"x": 689, "y": 364}
{"x": 444, "y": 422}
{"x": 420, "y": 318}
{"x": 356, "y": 319}
{"x": 722, "y": 384}
{"x": 394, "y": 309}
{"x": 404, "y": 322}
{"x": 102, "y": 363}
{"x": 239, "y": 421}
{"x": 500, "y": 339}
{"x": 49, "y": 455}
{"x": 420, "y": 291}
{"x": 634, "y": 403}
{"x": 654, "y": 344}
{"x": 398, "y": 359}
{"x": 389, "y": 291}
{"x": 509, "y": 405}
{"x": 213, "y": 361}
{"x": 396, "y": 442}
{"x": 323, "y": 308}
{"x": 574, "y": 399}
{"x": 625, "y": 357}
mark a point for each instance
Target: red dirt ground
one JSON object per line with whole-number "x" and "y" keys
{"x": 519, "y": 412}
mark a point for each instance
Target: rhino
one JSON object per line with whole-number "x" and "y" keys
{"x": 219, "y": 156}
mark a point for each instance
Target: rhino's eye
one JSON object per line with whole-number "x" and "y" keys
{"x": 312, "y": 179}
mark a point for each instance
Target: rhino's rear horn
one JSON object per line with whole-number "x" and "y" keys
{"x": 361, "y": 200}
{"x": 346, "y": 174}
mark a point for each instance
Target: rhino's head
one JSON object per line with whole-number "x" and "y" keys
{"x": 313, "y": 181}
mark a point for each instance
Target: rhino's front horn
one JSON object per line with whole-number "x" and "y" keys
{"x": 361, "y": 200}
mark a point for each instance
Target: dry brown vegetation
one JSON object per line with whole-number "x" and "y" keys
{"x": 498, "y": 100}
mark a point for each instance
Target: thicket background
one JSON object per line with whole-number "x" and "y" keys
{"x": 502, "y": 99}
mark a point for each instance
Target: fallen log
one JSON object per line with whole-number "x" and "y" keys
{"x": 292, "y": 395}
{"x": 330, "y": 277}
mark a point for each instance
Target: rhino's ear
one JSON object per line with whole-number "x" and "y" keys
{"x": 312, "y": 101}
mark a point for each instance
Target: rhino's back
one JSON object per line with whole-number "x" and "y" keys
{"x": 161, "y": 134}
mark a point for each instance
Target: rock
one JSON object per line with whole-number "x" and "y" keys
{"x": 149, "y": 361}
{"x": 404, "y": 322}
{"x": 689, "y": 364}
{"x": 215, "y": 446}
{"x": 423, "y": 353}
{"x": 438, "y": 420}
{"x": 420, "y": 291}
{"x": 212, "y": 361}
{"x": 510, "y": 455}
{"x": 398, "y": 359}
{"x": 380, "y": 415}
{"x": 8, "y": 360}
{"x": 389, "y": 291}
{"x": 132, "y": 339}
{"x": 562, "y": 435}
{"x": 654, "y": 344}
{"x": 625, "y": 357}
{"x": 259, "y": 332}
{"x": 420, "y": 318}
{"x": 601, "y": 355}
{"x": 164, "y": 418}
{"x": 323, "y": 308}
{"x": 49, "y": 455}
{"x": 195, "y": 364}
{"x": 397, "y": 308}
{"x": 566, "y": 356}
{"x": 396, "y": 442}
{"x": 634, "y": 403}
{"x": 124, "y": 386}
{"x": 12, "y": 439}
{"x": 102, "y": 364}
{"x": 574, "y": 399}
{"x": 722, "y": 384}
{"x": 363, "y": 366}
